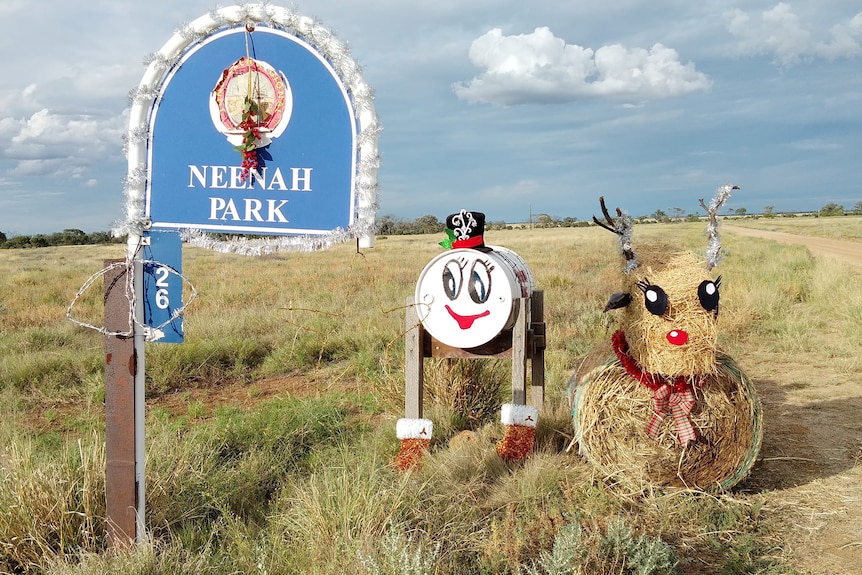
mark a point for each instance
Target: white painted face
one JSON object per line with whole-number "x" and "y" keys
{"x": 464, "y": 297}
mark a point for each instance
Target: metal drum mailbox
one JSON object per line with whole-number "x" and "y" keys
{"x": 465, "y": 297}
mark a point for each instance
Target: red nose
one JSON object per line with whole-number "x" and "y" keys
{"x": 677, "y": 337}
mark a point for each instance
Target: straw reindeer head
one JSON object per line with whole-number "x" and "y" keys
{"x": 670, "y": 301}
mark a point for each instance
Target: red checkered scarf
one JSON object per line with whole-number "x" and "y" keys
{"x": 674, "y": 397}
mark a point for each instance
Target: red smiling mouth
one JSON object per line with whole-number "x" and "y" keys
{"x": 677, "y": 337}
{"x": 466, "y": 321}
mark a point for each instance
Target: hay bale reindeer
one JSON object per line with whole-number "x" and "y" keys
{"x": 664, "y": 406}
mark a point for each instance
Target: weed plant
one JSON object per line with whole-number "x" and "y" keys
{"x": 302, "y": 482}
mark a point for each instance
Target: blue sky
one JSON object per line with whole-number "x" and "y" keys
{"x": 506, "y": 107}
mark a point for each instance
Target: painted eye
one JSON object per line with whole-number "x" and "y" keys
{"x": 452, "y": 279}
{"x": 655, "y": 299}
{"x": 480, "y": 282}
{"x": 707, "y": 293}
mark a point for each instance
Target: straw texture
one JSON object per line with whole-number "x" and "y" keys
{"x": 610, "y": 412}
{"x": 678, "y": 275}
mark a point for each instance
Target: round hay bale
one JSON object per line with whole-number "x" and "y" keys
{"x": 610, "y": 411}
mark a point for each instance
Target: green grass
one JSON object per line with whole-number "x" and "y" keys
{"x": 302, "y": 482}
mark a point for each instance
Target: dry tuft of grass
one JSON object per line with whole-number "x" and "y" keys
{"x": 611, "y": 410}
{"x": 50, "y": 511}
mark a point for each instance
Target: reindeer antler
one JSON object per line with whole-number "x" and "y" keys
{"x": 623, "y": 226}
{"x": 713, "y": 252}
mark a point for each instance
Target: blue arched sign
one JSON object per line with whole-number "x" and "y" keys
{"x": 253, "y": 120}
{"x": 300, "y": 177}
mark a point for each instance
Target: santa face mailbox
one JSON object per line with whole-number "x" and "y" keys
{"x": 467, "y": 297}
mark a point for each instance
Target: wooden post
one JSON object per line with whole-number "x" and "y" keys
{"x": 519, "y": 353}
{"x": 537, "y": 349}
{"x": 120, "y": 369}
{"x": 414, "y": 363}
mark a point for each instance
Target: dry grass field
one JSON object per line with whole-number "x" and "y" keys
{"x": 847, "y": 228}
{"x": 271, "y": 429}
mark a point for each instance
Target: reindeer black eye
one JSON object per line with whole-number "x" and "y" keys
{"x": 655, "y": 299}
{"x": 707, "y": 293}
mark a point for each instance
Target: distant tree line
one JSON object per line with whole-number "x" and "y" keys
{"x": 68, "y": 237}
{"x": 679, "y": 215}
{"x": 830, "y": 209}
{"x": 833, "y": 209}
{"x": 390, "y": 225}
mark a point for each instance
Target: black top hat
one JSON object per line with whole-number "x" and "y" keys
{"x": 467, "y": 230}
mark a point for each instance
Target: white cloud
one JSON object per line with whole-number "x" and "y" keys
{"x": 19, "y": 101}
{"x": 107, "y": 81}
{"x": 541, "y": 68}
{"x": 778, "y": 31}
{"x": 51, "y": 167}
{"x": 52, "y": 144}
{"x": 816, "y": 145}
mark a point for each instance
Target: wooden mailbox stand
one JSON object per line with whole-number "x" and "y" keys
{"x": 524, "y": 341}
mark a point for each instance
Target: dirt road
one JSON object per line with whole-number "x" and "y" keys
{"x": 813, "y": 440}
{"x": 846, "y": 251}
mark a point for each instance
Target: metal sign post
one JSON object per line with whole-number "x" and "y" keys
{"x": 140, "y": 413}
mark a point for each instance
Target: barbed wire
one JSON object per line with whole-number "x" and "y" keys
{"x": 151, "y": 333}
{"x": 86, "y": 286}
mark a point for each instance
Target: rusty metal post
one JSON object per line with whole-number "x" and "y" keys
{"x": 120, "y": 369}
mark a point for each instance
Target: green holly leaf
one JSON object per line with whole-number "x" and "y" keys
{"x": 450, "y": 238}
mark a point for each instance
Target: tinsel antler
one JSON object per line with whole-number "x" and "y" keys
{"x": 623, "y": 226}
{"x": 713, "y": 252}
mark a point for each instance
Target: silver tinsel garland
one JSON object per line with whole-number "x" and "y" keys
{"x": 336, "y": 53}
{"x": 625, "y": 226}
{"x": 713, "y": 250}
